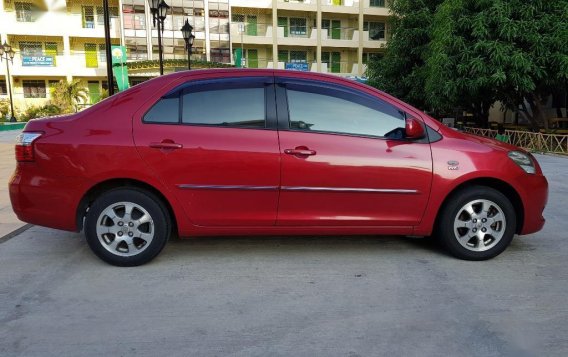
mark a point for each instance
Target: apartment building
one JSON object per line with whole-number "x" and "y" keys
{"x": 64, "y": 39}
{"x": 334, "y": 36}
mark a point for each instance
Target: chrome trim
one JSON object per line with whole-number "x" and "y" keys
{"x": 228, "y": 187}
{"x": 295, "y": 188}
{"x": 348, "y": 189}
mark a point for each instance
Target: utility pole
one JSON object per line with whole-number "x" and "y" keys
{"x": 110, "y": 79}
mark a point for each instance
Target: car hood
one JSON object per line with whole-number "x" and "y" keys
{"x": 492, "y": 143}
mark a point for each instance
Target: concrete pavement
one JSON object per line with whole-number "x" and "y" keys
{"x": 290, "y": 296}
{"x": 8, "y": 220}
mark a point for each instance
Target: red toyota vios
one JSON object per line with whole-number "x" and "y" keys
{"x": 241, "y": 152}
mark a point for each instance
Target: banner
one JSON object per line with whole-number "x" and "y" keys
{"x": 119, "y": 68}
{"x": 44, "y": 61}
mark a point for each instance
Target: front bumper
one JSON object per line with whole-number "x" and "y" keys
{"x": 533, "y": 190}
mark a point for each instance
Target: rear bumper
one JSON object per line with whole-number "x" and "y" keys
{"x": 533, "y": 190}
{"x": 45, "y": 201}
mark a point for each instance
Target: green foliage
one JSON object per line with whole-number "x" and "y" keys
{"x": 68, "y": 95}
{"x": 507, "y": 50}
{"x": 471, "y": 53}
{"x": 40, "y": 112}
{"x": 401, "y": 72}
{"x": 4, "y": 108}
{"x": 180, "y": 63}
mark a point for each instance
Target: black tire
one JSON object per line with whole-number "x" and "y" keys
{"x": 139, "y": 251}
{"x": 448, "y": 236}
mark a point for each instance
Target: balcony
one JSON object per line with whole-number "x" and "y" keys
{"x": 41, "y": 22}
{"x": 257, "y": 34}
{"x": 300, "y": 5}
{"x": 377, "y": 8}
{"x": 340, "y": 6}
{"x": 297, "y": 36}
{"x": 340, "y": 37}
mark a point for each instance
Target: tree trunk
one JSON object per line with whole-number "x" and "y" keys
{"x": 536, "y": 116}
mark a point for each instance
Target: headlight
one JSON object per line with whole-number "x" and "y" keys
{"x": 523, "y": 160}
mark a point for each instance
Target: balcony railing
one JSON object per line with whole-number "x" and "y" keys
{"x": 339, "y": 33}
{"x": 337, "y": 67}
{"x": 350, "y": 3}
{"x": 250, "y": 29}
{"x": 307, "y": 2}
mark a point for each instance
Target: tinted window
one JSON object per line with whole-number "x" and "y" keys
{"x": 238, "y": 107}
{"x": 166, "y": 110}
{"x": 342, "y": 112}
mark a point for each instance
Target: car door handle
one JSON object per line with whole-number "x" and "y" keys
{"x": 168, "y": 145}
{"x": 300, "y": 152}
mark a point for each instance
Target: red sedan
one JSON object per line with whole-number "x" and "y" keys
{"x": 241, "y": 152}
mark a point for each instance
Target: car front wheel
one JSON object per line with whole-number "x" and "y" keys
{"x": 127, "y": 227}
{"x": 477, "y": 223}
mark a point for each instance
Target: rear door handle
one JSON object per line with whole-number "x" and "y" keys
{"x": 300, "y": 151}
{"x": 166, "y": 144}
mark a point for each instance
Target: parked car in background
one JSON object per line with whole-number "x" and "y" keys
{"x": 261, "y": 152}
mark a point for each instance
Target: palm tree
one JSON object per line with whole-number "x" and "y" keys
{"x": 68, "y": 95}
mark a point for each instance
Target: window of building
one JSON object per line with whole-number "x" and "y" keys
{"x": 136, "y": 48}
{"x": 242, "y": 107}
{"x": 221, "y": 55}
{"x": 31, "y": 48}
{"x": 26, "y": 12}
{"x": 376, "y": 30}
{"x": 134, "y": 17}
{"x": 113, "y": 13}
{"x": 3, "y": 90}
{"x": 323, "y": 110}
{"x": 298, "y": 26}
{"x": 34, "y": 88}
{"x": 88, "y": 13}
{"x": 377, "y": 3}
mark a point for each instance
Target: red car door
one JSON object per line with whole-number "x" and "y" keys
{"x": 211, "y": 143}
{"x": 345, "y": 161}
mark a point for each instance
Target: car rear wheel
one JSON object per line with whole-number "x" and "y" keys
{"x": 127, "y": 227}
{"x": 477, "y": 223}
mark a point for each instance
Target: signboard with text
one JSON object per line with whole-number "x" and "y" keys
{"x": 43, "y": 61}
{"x": 297, "y": 66}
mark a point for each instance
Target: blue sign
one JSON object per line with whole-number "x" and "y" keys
{"x": 44, "y": 61}
{"x": 297, "y": 66}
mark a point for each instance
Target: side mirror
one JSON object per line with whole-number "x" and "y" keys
{"x": 414, "y": 129}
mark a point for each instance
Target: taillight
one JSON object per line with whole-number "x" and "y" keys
{"x": 25, "y": 146}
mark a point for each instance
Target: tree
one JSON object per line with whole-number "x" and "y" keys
{"x": 401, "y": 72}
{"x": 508, "y": 50}
{"x": 68, "y": 95}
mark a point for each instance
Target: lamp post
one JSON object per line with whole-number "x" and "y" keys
{"x": 159, "y": 10}
{"x": 188, "y": 37}
{"x": 7, "y": 53}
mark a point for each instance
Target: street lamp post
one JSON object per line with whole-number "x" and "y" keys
{"x": 159, "y": 10}
{"x": 188, "y": 37}
{"x": 7, "y": 53}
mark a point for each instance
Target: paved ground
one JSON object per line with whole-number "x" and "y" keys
{"x": 8, "y": 220}
{"x": 330, "y": 296}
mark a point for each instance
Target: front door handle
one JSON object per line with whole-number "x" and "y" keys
{"x": 166, "y": 145}
{"x": 300, "y": 151}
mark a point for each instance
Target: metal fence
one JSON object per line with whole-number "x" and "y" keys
{"x": 551, "y": 143}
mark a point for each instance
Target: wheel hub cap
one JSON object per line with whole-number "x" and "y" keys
{"x": 479, "y": 225}
{"x": 125, "y": 229}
